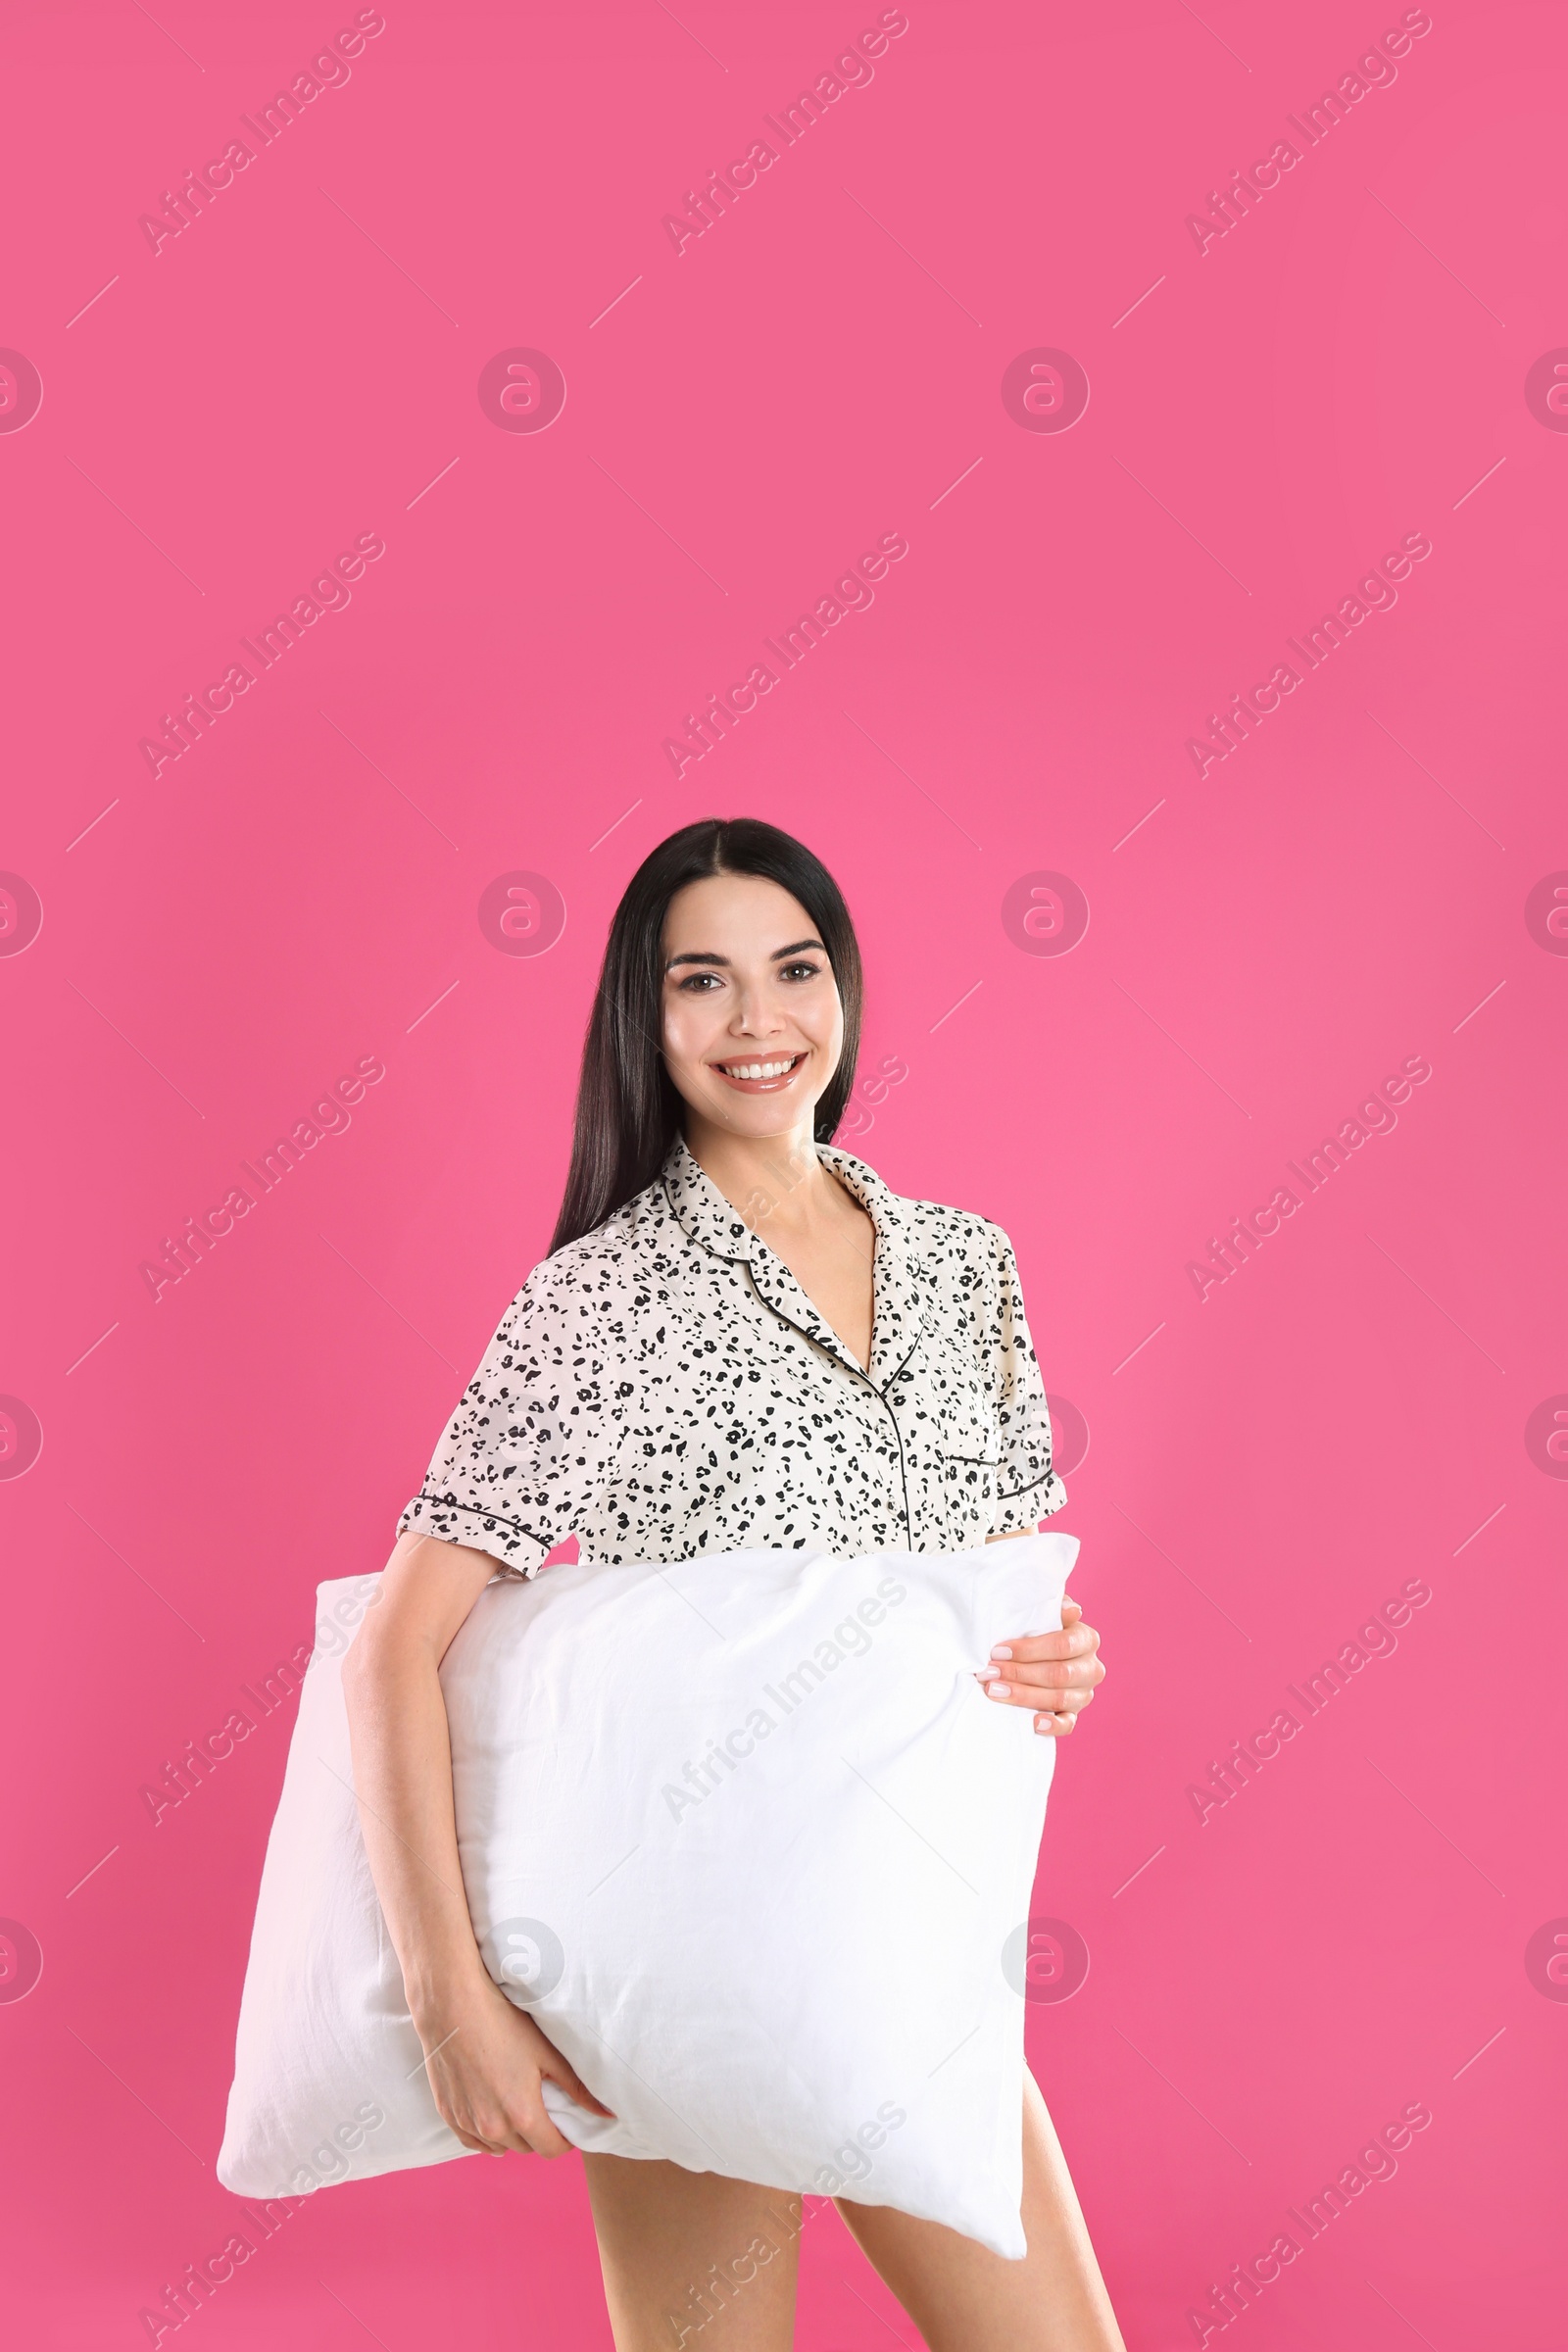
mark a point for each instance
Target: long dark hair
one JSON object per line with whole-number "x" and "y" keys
{"x": 628, "y": 1110}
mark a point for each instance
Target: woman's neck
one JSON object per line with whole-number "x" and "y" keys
{"x": 772, "y": 1181}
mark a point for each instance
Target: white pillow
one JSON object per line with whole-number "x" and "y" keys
{"x": 743, "y": 1834}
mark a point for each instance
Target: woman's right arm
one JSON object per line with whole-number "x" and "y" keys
{"x": 486, "y": 2060}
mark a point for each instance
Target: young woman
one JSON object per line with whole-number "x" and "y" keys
{"x": 741, "y": 1337}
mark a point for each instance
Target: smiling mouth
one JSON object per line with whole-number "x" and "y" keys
{"x": 761, "y": 1074}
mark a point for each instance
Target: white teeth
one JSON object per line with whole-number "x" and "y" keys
{"x": 759, "y": 1069}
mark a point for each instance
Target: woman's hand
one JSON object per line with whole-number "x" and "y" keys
{"x": 1055, "y": 1673}
{"x": 488, "y": 2065}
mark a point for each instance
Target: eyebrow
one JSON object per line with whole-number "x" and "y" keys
{"x": 701, "y": 955}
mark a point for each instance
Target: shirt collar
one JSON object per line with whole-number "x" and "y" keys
{"x": 714, "y": 1225}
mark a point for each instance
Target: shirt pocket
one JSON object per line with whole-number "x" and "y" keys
{"x": 968, "y": 1442}
{"x": 968, "y": 1428}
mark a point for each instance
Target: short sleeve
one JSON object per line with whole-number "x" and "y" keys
{"x": 533, "y": 1441}
{"x": 1028, "y": 1489}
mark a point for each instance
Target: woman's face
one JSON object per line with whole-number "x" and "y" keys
{"x": 748, "y": 988}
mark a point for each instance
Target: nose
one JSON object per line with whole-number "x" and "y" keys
{"x": 754, "y": 1015}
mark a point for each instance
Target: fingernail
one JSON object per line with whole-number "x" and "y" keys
{"x": 1001, "y": 1651}
{"x": 988, "y": 1673}
{"x": 996, "y": 1691}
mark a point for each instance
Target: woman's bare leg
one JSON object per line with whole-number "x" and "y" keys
{"x": 963, "y": 2298}
{"x": 693, "y": 2260}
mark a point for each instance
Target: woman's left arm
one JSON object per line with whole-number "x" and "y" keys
{"x": 1057, "y": 1674}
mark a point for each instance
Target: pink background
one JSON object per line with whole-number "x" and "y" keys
{"x": 1269, "y": 1986}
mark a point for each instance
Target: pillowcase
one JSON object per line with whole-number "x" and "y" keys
{"x": 746, "y": 1839}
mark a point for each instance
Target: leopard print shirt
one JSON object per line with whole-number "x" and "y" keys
{"x": 663, "y": 1386}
